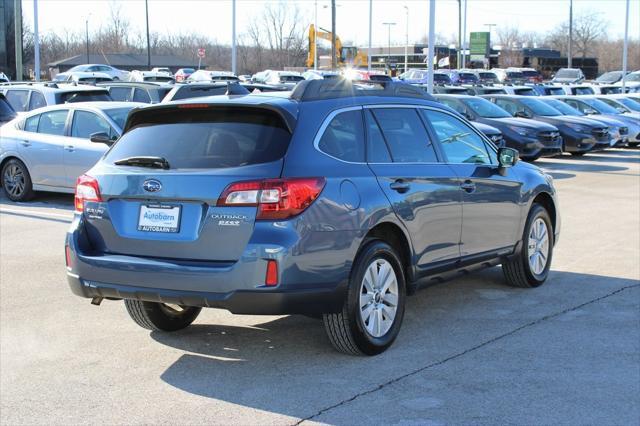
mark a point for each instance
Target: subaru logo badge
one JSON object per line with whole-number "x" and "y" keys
{"x": 152, "y": 185}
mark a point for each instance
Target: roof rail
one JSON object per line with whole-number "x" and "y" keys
{"x": 313, "y": 90}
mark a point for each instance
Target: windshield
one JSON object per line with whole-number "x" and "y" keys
{"x": 485, "y": 108}
{"x": 118, "y": 115}
{"x": 583, "y": 91}
{"x": 78, "y": 68}
{"x": 209, "y": 138}
{"x": 514, "y": 74}
{"x": 562, "y": 107}
{"x": 540, "y": 108}
{"x": 634, "y": 76}
{"x": 632, "y": 105}
{"x": 525, "y": 92}
{"x": 468, "y": 76}
{"x": 488, "y": 76}
{"x": 601, "y": 107}
{"x": 441, "y": 78}
{"x": 609, "y": 77}
{"x": 567, "y": 74}
{"x": 419, "y": 75}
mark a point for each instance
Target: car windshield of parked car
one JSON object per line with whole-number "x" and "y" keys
{"x": 634, "y": 76}
{"x": 486, "y": 109}
{"x": 84, "y": 96}
{"x": 530, "y": 73}
{"x": 540, "y": 108}
{"x": 205, "y": 138}
{"x": 468, "y": 76}
{"x": 600, "y": 106}
{"x": 609, "y": 77}
{"x": 118, "y": 115}
{"x": 78, "y": 68}
{"x": 562, "y": 107}
{"x": 525, "y": 92}
{"x": 584, "y": 91}
{"x": 567, "y": 74}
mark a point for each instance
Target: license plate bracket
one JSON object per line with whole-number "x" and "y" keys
{"x": 161, "y": 218}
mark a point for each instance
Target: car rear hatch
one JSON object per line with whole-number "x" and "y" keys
{"x": 167, "y": 206}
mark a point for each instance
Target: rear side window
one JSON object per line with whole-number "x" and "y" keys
{"x": 36, "y": 101}
{"x": 140, "y": 95}
{"x": 31, "y": 123}
{"x": 377, "y": 151}
{"x": 18, "y": 99}
{"x": 344, "y": 137}
{"x": 209, "y": 138}
{"x": 459, "y": 142}
{"x": 405, "y": 135}
{"x": 52, "y": 122}
{"x": 122, "y": 94}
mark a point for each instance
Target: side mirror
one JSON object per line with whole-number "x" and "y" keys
{"x": 521, "y": 114}
{"x": 507, "y": 157}
{"x": 590, "y": 111}
{"x": 468, "y": 116}
{"x": 621, "y": 110}
{"x": 101, "y": 137}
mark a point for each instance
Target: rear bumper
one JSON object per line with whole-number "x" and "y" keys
{"x": 251, "y": 302}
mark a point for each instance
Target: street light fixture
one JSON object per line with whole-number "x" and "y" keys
{"x": 389, "y": 25}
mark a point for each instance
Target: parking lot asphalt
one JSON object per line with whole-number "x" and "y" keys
{"x": 471, "y": 351}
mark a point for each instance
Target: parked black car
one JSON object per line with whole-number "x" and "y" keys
{"x": 580, "y": 135}
{"x": 147, "y": 92}
{"x": 533, "y": 139}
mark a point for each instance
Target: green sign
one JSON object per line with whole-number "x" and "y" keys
{"x": 479, "y": 45}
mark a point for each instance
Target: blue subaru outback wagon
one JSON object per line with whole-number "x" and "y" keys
{"x": 337, "y": 200}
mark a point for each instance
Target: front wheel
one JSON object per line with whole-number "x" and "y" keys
{"x": 374, "y": 307}
{"x": 530, "y": 267}
{"x": 161, "y": 316}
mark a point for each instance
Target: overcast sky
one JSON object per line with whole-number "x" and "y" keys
{"x": 213, "y": 17}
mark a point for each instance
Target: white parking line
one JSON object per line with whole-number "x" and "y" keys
{"x": 37, "y": 213}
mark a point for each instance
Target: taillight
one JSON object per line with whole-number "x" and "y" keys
{"x": 87, "y": 189}
{"x": 276, "y": 199}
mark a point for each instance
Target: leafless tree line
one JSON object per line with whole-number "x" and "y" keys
{"x": 277, "y": 38}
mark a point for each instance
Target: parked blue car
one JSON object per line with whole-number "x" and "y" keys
{"x": 335, "y": 201}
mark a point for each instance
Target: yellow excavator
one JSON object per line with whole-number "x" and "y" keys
{"x": 347, "y": 56}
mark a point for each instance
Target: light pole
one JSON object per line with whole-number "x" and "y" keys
{"x": 459, "y": 34}
{"x": 233, "y": 38}
{"x": 464, "y": 35}
{"x": 86, "y": 28}
{"x": 569, "y": 53}
{"x": 406, "y": 40}
{"x": 334, "y": 62}
{"x": 389, "y": 25}
{"x": 17, "y": 18}
{"x": 431, "y": 47}
{"x": 370, "y": 32}
{"x": 36, "y": 41}
{"x": 146, "y": 9}
{"x": 315, "y": 37}
{"x": 624, "y": 49}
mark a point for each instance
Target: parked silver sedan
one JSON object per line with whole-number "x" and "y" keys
{"x": 47, "y": 149}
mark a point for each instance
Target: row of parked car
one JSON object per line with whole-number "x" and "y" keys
{"x": 82, "y": 120}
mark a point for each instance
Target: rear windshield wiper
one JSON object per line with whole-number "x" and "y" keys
{"x": 153, "y": 162}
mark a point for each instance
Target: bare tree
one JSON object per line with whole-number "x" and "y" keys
{"x": 587, "y": 29}
{"x": 511, "y": 41}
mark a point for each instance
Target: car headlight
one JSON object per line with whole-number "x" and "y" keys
{"x": 578, "y": 128}
{"x": 522, "y": 131}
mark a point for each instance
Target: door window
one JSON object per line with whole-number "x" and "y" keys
{"x": 507, "y": 105}
{"x": 86, "y": 123}
{"x": 460, "y": 143}
{"x": 140, "y": 95}
{"x": 405, "y": 135}
{"x": 31, "y": 123}
{"x": 344, "y": 137}
{"x": 18, "y": 99}
{"x": 377, "y": 150}
{"x": 36, "y": 101}
{"x": 52, "y": 122}
{"x": 122, "y": 94}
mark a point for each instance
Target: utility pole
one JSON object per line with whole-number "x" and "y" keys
{"x": 406, "y": 41}
{"x": 234, "y": 51}
{"x": 36, "y": 41}
{"x": 370, "y": 32}
{"x": 389, "y": 25}
{"x": 146, "y": 8}
{"x": 334, "y": 61}
{"x": 459, "y": 33}
{"x": 17, "y": 22}
{"x": 431, "y": 47}
{"x": 626, "y": 47}
{"x": 569, "y": 53}
{"x": 464, "y": 35}
{"x": 315, "y": 37}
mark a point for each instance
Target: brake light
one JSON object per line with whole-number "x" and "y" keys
{"x": 271, "y": 279}
{"x": 87, "y": 189}
{"x": 276, "y": 199}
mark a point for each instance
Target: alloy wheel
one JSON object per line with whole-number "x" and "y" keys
{"x": 538, "y": 247}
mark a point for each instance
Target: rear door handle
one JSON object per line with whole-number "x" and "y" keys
{"x": 468, "y": 186}
{"x": 25, "y": 143}
{"x": 70, "y": 148}
{"x": 400, "y": 185}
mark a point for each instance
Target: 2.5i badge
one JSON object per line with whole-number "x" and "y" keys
{"x": 229, "y": 219}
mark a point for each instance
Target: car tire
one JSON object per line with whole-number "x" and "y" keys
{"x": 16, "y": 181}
{"x": 116, "y": 79}
{"x": 360, "y": 328}
{"x": 633, "y": 144}
{"x": 529, "y": 267}
{"x": 160, "y": 316}
{"x": 578, "y": 154}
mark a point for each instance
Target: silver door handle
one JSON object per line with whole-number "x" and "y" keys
{"x": 70, "y": 148}
{"x": 25, "y": 143}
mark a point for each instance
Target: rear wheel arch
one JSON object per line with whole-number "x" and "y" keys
{"x": 394, "y": 235}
